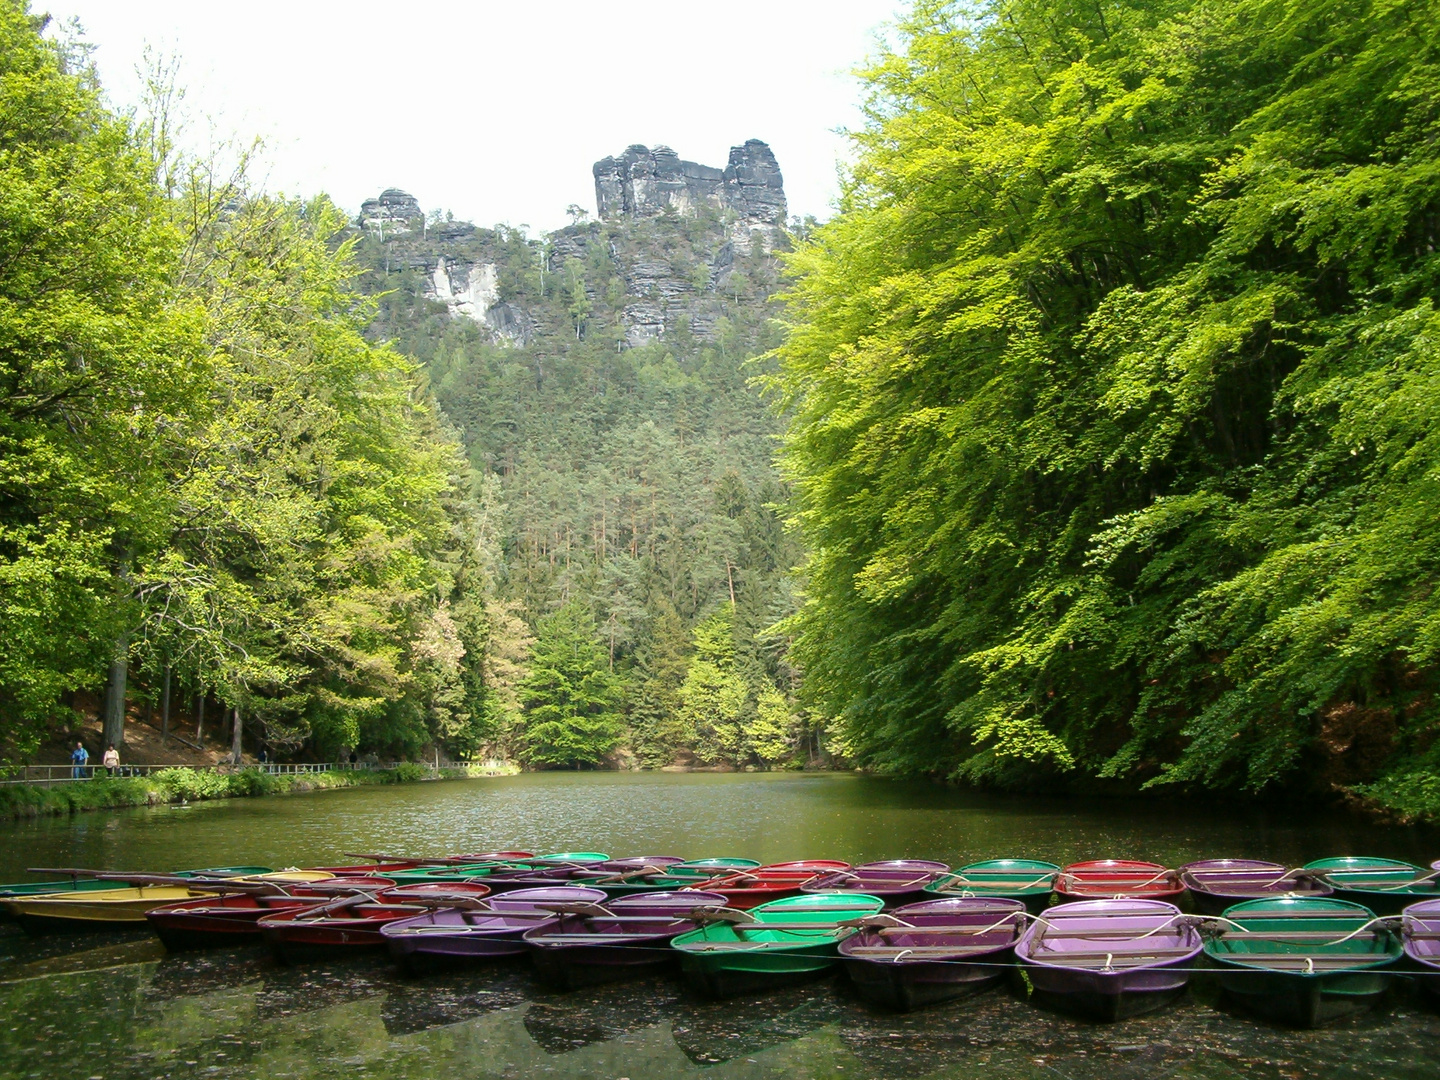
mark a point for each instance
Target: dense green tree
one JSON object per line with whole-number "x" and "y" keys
{"x": 571, "y": 698}
{"x": 1111, "y": 386}
{"x": 713, "y": 695}
{"x": 96, "y": 364}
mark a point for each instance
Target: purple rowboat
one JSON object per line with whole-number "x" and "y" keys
{"x": 485, "y": 930}
{"x": 623, "y": 938}
{"x": 934, "y": 950}
{"x": 1109, "y": 959}
{"x": 1420, "y": 931}
{"x": 1216, "y": 884}
{"x": 899, "y": 881}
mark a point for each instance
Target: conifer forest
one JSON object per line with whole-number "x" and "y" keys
{"x": 1091, "y": 445}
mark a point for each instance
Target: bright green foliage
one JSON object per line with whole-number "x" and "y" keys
{"x": 95, "y": 363}
{"x": 201, "y": 455}
{"x": 771, "y": 735}
{"x": 571, "y": 697}
{"x": 1114, "y": 389}
{"x": 712, "y": 697}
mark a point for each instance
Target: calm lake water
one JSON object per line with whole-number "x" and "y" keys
{"x": 116, "y": 1006}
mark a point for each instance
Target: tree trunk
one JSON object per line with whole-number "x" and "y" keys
{"x": 200, "y": 717}
{"x": 235, "y": 739}
{"x": 113, "y": 715}
{"x": 165, "y": 708}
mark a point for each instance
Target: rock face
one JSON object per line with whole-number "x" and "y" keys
{"x": 646, "y": 276}
{"x": 394, "y": 208}
{"x": 644, "y": 182}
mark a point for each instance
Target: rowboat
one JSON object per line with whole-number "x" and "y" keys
{"x": 102, "y": 909}
{"x": 1303, "y": 962}
{"x": 748, "y": 888}
{"x": 1385, "y": 886}
{"x": 86, "y": 882}
{"x": 933, "y": 951}
{"x": 899, "y": 881}
{"x": 457, "y": 872}
{"x": 777, "y": 943}
{"x": 346, "y": 925}
{"x": 569, "y": 857}
{"x": 1217, "y": 884}
{"x": 1118, "y": 879}
{"x": 815, "y": 866}
{"x": 1027, "y": 880}
{"x": 218, "y": 921}
{"x": 713, "y": 867}
{"x": 434, "y": 893}
{"x": 620, "y": 939}
{"x": 489, "y": 929}
{"x": 1420, "y": 932}
{"x": 1109, "y": 959}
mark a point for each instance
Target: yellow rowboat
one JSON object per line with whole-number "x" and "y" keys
{"x": 96, "y": 910}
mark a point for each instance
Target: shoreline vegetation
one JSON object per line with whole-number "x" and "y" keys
{"x": 185, "y": 785}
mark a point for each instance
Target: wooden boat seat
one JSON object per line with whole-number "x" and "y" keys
{"x": 1116, "y": 959}
{"x": 880, "y": 952}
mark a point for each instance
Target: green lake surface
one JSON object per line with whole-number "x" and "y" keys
{"x": 117, "y": 1006}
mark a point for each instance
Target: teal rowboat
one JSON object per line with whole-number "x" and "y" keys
{"x": 21, "y": 889}
{"x": 1304, "y": 962}
{"x": 1385, "y": 886}
{"x": 774, "y": 944}
{"x": 1028, "y": 880}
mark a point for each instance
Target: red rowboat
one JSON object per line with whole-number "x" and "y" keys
{"x": 1118, "y": 879}
{"x": 216, "y": 921}
{"x": 344, "y": 925}
{"x": 432, "y": 893}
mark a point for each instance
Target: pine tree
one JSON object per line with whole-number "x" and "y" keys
{"x": 571, "y": 698}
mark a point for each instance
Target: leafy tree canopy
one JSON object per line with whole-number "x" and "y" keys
{"x": 1114, "y": 387}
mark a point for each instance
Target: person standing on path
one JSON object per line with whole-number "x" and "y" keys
{"x": 78, "y": 757}
{"x": 111, "y": 760}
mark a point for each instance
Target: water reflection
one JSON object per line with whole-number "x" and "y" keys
{"x": 234, "y": 1014}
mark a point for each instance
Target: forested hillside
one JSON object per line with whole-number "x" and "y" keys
{"x": 1115, "y": 388}
{"x": 600, "y": 379}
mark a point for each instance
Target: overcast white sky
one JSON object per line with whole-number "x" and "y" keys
{"x": 496, "y": 110}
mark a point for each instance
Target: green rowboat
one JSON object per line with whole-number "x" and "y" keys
{"x": 1304, "y": 962}
{"x": 771, "y": 945}
{"x": 1385, "y": 886}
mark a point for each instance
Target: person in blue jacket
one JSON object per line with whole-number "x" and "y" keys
{"x": 78, "y": 757}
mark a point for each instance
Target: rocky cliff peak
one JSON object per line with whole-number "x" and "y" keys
{"x": 643, "y": 182}
{"x": 393, "y": 208}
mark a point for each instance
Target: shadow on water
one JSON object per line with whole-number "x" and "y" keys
{"x": 116, "y": 1005}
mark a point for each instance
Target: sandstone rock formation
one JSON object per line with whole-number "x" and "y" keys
{"x": 394, "y": 208}
{"x": 644, "y": 182}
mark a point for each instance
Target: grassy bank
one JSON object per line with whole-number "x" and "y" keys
{"x": 189, "y": 785}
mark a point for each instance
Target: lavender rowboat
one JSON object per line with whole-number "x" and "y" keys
{"x": 485, "y": 930}
{"x": 1420, "y": 931}
{"x": 934, "y": 950}
{"x": 1216, "y": 884}
{"x": 1109, "y": 959}
{"x": 623, "y": 938}
{"x": 898, "y": 881}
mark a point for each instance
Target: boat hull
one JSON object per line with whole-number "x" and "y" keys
{"x": 1303, "y": 1001}
{"x": 748, "y": 973}
{"x": 576, "y": 966}
{"x": 110, "y": 909}
{"x": 903, "y": 987}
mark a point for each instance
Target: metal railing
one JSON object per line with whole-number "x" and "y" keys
{"x": 47, "y": 775}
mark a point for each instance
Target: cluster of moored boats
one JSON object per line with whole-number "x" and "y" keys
{"x": 1105, "y": 938}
